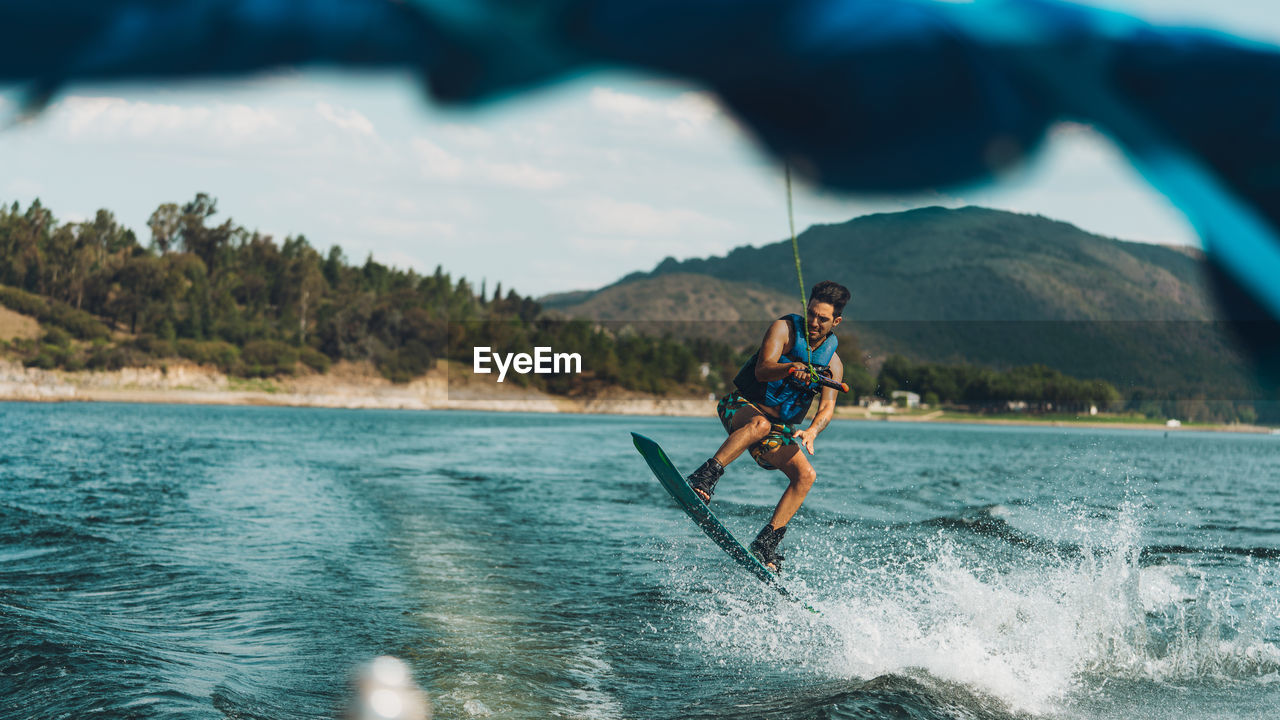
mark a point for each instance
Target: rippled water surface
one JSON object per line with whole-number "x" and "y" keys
{"x": 200, "y": 562}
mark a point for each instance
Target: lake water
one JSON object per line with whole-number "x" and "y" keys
{"x": 210, "y": 562}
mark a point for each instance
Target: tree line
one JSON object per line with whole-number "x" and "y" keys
{"x": 1042, "y": 389}
{"x": 218, "y": 294}
{"x": 1037, "y": 388}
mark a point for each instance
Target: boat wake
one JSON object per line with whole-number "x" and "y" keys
{"x": 1033, "y": 632}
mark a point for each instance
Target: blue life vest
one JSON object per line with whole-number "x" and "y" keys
{"x": 790, "y": 397}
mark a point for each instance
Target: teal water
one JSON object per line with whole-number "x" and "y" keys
{"x": 200, "y": 562}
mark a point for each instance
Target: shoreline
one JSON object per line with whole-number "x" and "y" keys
{"x": 354, "y": 386}
{"x": 346, "y": 385}
{"x": 1057, "y": 423}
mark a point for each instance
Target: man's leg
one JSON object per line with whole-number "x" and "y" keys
{"x": 747, "y": 427}
{"x": 791, "y": 461}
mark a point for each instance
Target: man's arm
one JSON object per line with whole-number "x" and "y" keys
{"x": 826, "y": 408}
{"x": 775, "y": 342}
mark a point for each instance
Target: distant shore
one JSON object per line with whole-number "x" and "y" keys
{"x": 358, "y": 386}
{"x": 953, "y": 418}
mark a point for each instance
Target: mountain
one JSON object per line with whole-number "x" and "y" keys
{"x": 680, "y": 304}
{"x": 970, "y": 285}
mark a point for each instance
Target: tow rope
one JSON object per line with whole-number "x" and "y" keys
{"x": 795, "y": 251}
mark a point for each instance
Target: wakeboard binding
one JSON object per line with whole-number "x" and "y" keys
{"x": 703, "y": 480}
{"x": 765, "y": 547}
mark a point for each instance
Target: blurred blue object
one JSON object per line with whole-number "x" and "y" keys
{"x": 861, "y": 95}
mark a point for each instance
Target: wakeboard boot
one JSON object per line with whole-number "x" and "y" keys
{"x": 703, "y": 480}
{"x": 765, "y": 547}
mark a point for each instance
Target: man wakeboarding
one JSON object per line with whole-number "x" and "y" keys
{"x": 774, "y": 390}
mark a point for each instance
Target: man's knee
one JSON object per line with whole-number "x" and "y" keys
{"x": 758, "y": 426}
{"x": 803, "y": 477}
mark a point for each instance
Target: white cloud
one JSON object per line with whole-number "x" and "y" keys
{"x": 98, "y": 116}
{"x": 241, "y": 122}
{"x": 522, "y": 175}
{"x": 405, "y": 228}
{"x": 438, "y": 163}
{"x": 112, "y": 118}
{"x": 607, "y": 216}
{"x": 625, "y": 105}
{"x": 435, "y": 161}
{"x": 350, "y": 120}
{"x": 468, "y": 136}
{"x": 690, "y": 113}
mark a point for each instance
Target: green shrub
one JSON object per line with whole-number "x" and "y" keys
{"x": 315, "y": 359}
{"x": 406, "y": 363}
{"x": 263, "y": 358}
{"x": 78, "y": 322}
{"x": 57, "y": 337}
{"x": 413, "y": 359}
{"x": 44, "y": 360}
{"x": 154, "y": 346}
{"x": 1247, "y": 414}
{"x": 107, "y": 357}
{"x": 23, "y": 302}
{"x": 222, "y": 355}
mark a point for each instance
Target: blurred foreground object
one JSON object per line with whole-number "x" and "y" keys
{"x": 860, "y": 95}
{"x": 385, "y": 691}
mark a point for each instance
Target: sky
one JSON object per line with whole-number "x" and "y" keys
{"x": 566, "y": 187}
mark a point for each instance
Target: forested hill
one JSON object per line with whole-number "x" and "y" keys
{"x": 216, "y": 293}
{"x": 971, "y": 285}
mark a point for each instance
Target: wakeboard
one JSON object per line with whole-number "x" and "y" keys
{"x": 702, "y": 516}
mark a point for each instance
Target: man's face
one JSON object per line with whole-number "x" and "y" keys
{"x": 822, "y": 321}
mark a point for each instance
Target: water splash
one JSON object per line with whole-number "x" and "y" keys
{"x": 1031, "y": 633}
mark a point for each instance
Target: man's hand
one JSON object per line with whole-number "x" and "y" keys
{"x": 807, "y": 437}
{"x": 801, "y": 371}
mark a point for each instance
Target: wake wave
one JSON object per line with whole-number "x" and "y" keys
{"x": 991, "y": 521}
{"x": 1030, "y": 634}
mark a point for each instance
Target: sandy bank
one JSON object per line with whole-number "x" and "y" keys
{"x": 346, "y": 385}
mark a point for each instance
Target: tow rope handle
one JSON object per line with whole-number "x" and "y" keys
{"x": 821, "y": 380}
